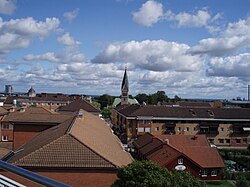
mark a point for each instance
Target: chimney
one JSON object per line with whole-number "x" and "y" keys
{"x": 166, "y": 140}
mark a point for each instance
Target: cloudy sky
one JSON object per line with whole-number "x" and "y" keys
{"x": 193, "y": 49}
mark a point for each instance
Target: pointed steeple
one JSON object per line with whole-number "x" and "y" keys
{"x": 124, "y": 88}
{"x": 125, "y": 81}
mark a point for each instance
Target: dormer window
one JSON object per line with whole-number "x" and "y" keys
{"x": 210, "y": 113}
{"x": 192, "y": 112}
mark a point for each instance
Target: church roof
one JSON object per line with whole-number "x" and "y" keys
{"x": 117, "y": 102}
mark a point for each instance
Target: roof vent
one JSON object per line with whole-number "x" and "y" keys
{"x": 166, "y": 140}
{"x": 80, "y": 114}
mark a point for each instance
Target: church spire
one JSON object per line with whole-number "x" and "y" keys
{"x": 124, "y": 88}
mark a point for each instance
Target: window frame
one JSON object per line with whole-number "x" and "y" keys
{"x": 213, "y": 171}
{"x": 4, "y": 138}
{"x": 180, "y": 160}
{"x": 204, "y": 172}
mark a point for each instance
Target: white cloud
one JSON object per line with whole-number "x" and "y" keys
{"x": 59, "y": 58}
{"x": 155, "y": 55}
{"x": 201, "y": 19}
{"x": 66, "y": 39}
{"x": 7, "y": 6}
{"x": 70, "y": 16}
{"x": 152, "y": 12}
{"x": 232, "y": 66}
{"x": 18, "y": 33}
{"x": 149, "y": 13}
{"x": 235, "y": 37}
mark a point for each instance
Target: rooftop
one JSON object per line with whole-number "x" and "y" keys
{"x": 79, "y": 142}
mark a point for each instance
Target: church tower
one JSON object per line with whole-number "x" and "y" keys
{"x": 124, "y": 89}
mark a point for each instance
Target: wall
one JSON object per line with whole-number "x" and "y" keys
{"x": 23, "y": 133}
{"x": 86, "y": 178}
{"x": 187, "y": 128}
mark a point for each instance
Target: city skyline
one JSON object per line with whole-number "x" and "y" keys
{"x": 193, "y": 50}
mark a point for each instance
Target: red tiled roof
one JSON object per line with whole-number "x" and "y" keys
{"x": 36, "y": 115}
{"x": 196, "y": 148}
{"x": 78, "y": 105}
{"x": 179, "y": 140}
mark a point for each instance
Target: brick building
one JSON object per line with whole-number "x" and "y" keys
{"x": 81, "y": 151}
{"x": 223, "y": 126}
{"x": 181, "y": 152}
{"x": 21, "y": 125}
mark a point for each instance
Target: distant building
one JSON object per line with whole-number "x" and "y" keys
{"x": 81, "y": 151}
{"x": 183, "y": 153}
{"x": 79, "y": 104}
{"x": 31, "y": 92}
{"x": 8, "y": 89}
{"x": 22, "y": 124}
{"x": 225, "y": 127}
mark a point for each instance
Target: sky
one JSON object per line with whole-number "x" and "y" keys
{"x": 193, "y": 49}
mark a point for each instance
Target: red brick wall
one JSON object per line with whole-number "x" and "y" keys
{"x": 74, "y": 178}
{"x": 23, "y": 133}
{"x": 194, "y": 169}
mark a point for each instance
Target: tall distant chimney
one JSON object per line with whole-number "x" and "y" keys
{"x": 248, "y": 92}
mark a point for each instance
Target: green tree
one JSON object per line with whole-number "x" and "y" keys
{"x": 105, "y": 100}
{"x": 148, "y": 174}
{"x": 106, "y": 112}
{"x": 142, "y": 98}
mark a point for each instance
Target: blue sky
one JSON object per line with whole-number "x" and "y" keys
{"x": 193, "y": 49}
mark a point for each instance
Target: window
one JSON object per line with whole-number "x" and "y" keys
{"x": 140, "y": 129}
{"x": 204, "y": 173}
{"x": 180, "y": 161}
{"x": 213, "y": 172}
{"x": 5, "y": 126}
{"x": 147, "y": 129}
{"x": 187, "y": 128}
{"x": 157, "y": 128}
{"x": 4, "y": 138}
{"x": 221, "y": 140}
{"x": 179, "y": 129}
{"x": 228, "y": 141}
{"x": 244, "y": 140}
{"x": 222, "y": 129}
{"x": 238, "y": 140}
{"x": 211, "y": 141}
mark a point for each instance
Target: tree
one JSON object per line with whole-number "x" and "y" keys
{"x": 142, "y": 98}
{"x": 148, "y": 174}
{"x": 105, "y": 100}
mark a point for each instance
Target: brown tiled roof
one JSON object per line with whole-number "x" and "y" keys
{"x": 179, "y": 140}
{"x": 94, "y": 133}
{"x": 85, "y": 142}
{"x": 36, "y": 115}
{"x": 194, "y": 104}
{"x": 3, "y": 111}
{"x": 78, "y": 105}
{"x": 195, "y": 148}
{"x": 3, "y": 152}
{"x": 143, "y": 140}
{"x": 127, "y": 110}
{"x": 205, "y": 157}
{"x": 186, "y": 112}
